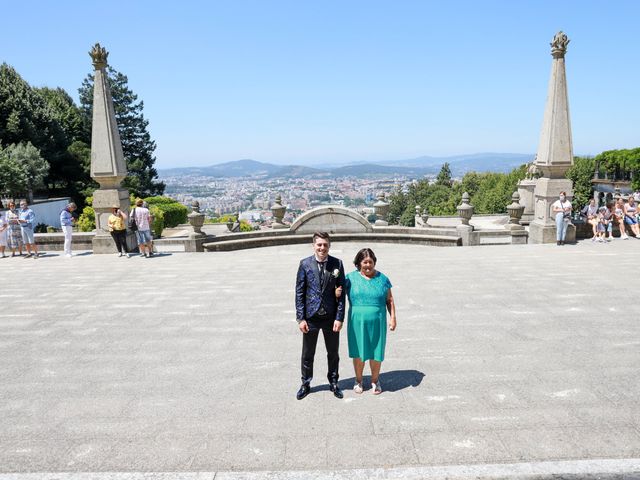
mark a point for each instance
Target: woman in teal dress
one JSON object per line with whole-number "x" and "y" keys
{"x": 369, "y": 294}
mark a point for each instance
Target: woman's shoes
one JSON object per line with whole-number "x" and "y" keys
{"x": 357, "y": 388}
{"x": 376, "y": 388}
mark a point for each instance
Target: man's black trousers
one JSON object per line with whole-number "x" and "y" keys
{"x": 309, "y": 342}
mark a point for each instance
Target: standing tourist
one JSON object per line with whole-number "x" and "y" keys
{"x": 67, "y": 221}
{"x": 630, "y": 213}
{"x": 151, "y": 220}
{"x": 370, "y": 298}
{"x": 3, "y": 233}
{"x": 143, "y": 233}
{"x": 14, "y": 235}
{"x": 118, "y": 230}
{"x": 562, "y": 210}
{"x": 27, "y": 219}
{"x": 319, "y": 308}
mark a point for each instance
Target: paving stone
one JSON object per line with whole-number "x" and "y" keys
{"x": 498, "y": 357}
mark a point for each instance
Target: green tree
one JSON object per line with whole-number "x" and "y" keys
{"x": 13, "y": 176}
{"x": 51, "y": 122}
{"x": 35, "y": 167}
{"x": 620, "y": 162}
{"x": 444, "y": 176}
{"x": 137, "y": 146}
{"x": 581, "y": 173}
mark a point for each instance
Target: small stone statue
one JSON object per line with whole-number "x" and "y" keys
{"x": 559, "y": 44}
{"x": 533, "y": 171}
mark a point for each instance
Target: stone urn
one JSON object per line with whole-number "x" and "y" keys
{"x": 425, "y": 217}
{"x": 515, "y": 210}
{"x": 278, "y": 211}
{"x": 196, "y": 219}
{"x": 381, "y": 209}
{"x": 465, "y": 210}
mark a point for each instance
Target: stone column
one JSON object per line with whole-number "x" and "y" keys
{"x": 555, "y": 150}
{"x": 108, "y": 167}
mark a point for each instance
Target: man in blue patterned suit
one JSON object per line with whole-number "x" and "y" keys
{"x": 318, "y": 308}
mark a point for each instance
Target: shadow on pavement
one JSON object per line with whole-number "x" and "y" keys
{"x": 392, "y": 381}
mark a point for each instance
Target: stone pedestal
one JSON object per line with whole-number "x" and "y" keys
{"x": 519, "y": 237}
{"x": 103, "y": 202}
{"x": 468, "y": 235}
{"x": 543, "y": 227}
{"x": 526, "y": 188}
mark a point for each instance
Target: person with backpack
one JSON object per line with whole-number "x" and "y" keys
{"x": 142, "y": 219}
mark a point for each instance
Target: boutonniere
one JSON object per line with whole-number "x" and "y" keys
{"x": 335, "y": 273}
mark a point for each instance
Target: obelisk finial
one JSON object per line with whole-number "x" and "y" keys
{"x": 559, "y": 44}
{"x": 99, "y": 56}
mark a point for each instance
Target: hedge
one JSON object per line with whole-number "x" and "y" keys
{"x": 174, "y": 213}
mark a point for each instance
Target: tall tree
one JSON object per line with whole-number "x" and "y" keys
{"x": 444, "y": 176}
{"x": 581, "y": 173}
{"x": 13, "y": 177}
{"x": 44, "y": 118}
{"x": 34, "y": 166}
{"x": 137, "y": 145}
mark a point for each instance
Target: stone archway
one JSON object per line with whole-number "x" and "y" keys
{"x": 331, "y": 219}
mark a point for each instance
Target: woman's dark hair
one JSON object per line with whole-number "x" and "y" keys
{"x": 362, "y": 254}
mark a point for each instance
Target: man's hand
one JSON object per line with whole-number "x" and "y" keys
{"x": 337, "y": 326}
{"x": 338, "y": 292}
{"x": 303, "y": 326}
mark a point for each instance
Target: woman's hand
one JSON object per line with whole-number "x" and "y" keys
{"x": 338, "y": 292}
{"x": 392, "y": 323}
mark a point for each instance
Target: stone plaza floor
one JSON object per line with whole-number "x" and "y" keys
{"x": 517, "y": 357}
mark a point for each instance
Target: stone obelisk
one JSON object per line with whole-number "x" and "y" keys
{"x": 555, "y": 151}
{"x": 108, "y": 167}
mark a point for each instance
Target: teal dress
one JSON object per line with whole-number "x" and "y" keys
{"x": 367, "y": 317}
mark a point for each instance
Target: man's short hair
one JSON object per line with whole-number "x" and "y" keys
{"x": 323, "y": 235}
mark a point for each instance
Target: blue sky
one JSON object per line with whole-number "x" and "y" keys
{"x": 340, "y": 81}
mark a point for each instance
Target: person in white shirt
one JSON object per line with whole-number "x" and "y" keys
{"x": 591, "y": 212}
{"x": 143, "y": 222}
{"x": 3, "y": 233}
{"x": 562, "y": 210}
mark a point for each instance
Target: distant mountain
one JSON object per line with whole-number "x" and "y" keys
{"x": 374, "y": 169}
{"x": 461, "y": 164}
{"x": 420, "y": 166}
{"x": 237, "y": 168}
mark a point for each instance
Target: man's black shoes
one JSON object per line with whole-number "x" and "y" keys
{"x": 303, "y": 392}
{"x": 305, "y": 389}
{"x": 336, "y": 390}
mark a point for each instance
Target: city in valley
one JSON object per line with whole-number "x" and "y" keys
{"x": 253, "y": 197}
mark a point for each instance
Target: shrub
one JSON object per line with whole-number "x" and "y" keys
{"x": 40, "y": 228}
{"x": 157, "y": 225}
{"x": 160, "y": 200}
{"x": 87, "y": 220}
{"x": 174, "y": 212}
